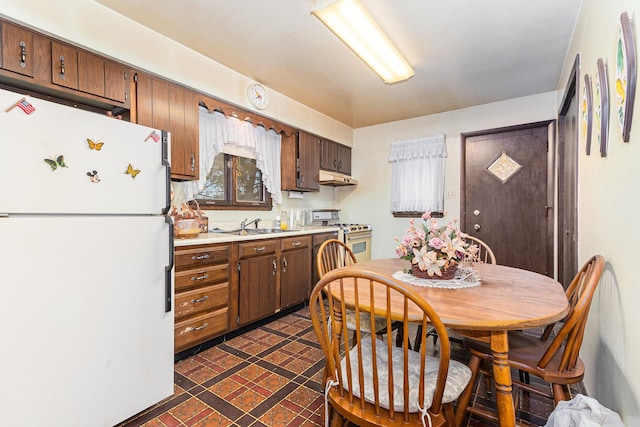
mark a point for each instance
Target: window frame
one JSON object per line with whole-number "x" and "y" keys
{"x": 230, "y": 188}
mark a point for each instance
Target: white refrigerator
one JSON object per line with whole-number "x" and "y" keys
{"x": 86, "y": 258}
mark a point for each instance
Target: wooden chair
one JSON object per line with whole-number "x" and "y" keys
{"x": 556, "y": 361}
{"x": 484, "y": 253}
{"x": 334, "y": 254}
{"x": 372, "y": 382}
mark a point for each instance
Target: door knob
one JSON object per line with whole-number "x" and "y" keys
{"x": 476, "y": 227}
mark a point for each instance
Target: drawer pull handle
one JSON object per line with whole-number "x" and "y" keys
{"x": 204, "y": 298}
{"x": 199, "y": 328}
{"x": 296, "y": 243}
{"x": 260, "y": 249}
{"x": 204, "y": 276}
{"x": 61, "y": 66}
{"x": 199, "y": 257}
{"x": 23, "y": 54}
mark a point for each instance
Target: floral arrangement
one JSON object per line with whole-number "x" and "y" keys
{"x": 434, "y": 248}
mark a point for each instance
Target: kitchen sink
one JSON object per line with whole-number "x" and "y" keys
{"x": 252, "y": 231}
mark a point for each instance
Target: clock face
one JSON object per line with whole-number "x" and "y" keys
{"x": 258, "y": 96}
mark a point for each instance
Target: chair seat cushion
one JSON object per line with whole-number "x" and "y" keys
{"x": 457, "y": 378}
{"x": 365, "y": 322}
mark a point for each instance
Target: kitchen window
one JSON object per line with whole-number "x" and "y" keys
{"x": 417, "y": 183}
{"x": 234, "y": 182}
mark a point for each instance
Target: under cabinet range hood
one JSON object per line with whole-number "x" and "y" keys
{"x": 335, "y": 179}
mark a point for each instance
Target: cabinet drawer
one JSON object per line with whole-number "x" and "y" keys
{"x": 293, "y": 243}
{"x": 191, "y": 257}
{"x": 201, "y": 299}
{"x": 203, "y": 276}
{"x": 262, "y": 247}
{"x": 199, "y": 329}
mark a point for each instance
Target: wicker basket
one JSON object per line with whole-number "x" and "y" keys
{"x": 447, "y": 274}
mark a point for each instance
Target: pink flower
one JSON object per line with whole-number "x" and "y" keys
{"x": 436, "y": 243}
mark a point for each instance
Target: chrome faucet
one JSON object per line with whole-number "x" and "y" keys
{"x": 244, "y": 223}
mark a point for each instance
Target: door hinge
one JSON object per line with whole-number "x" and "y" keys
{"x": 135, "y": 77}
{"x": 238, "y": 320}
{"x": 238, "y": 266}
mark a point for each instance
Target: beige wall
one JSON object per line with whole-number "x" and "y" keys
{"x": 608, "y": 223}
{"x": 371, "y": 201}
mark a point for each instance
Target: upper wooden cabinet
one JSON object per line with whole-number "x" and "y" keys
{"x": 84, "y": 71}
{"x": 300, "y": 162}
{"x": 335, "y": 157}
{"x": 25, "y": 53}
{"x": 167, "y": 106}
{"x": 37, "y": 62}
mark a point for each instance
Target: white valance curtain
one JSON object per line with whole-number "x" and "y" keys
{"x": 219, "y": 133}
{"x": 417, "y": 183}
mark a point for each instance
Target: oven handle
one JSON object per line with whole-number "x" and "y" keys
{"x": 357, "y": 236}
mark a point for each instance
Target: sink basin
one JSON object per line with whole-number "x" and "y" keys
{"x": 253, "y": 231}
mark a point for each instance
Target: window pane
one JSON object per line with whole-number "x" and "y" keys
{"x": 248, "y": 181}
{"x": 214, "y": 187}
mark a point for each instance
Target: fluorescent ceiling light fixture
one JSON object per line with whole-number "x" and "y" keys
{"x": 354, "y": 26}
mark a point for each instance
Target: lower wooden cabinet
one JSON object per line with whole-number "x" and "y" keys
{"x": 257, "y": 280}
{"x": 295, "y": 275}
{"x": 201, "y": 302}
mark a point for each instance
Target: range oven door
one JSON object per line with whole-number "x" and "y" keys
{"x": 360, "y": 244}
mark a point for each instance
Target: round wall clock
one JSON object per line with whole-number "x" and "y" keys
{"x": 258, "y": 96}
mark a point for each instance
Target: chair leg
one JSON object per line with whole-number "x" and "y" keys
{"x": 465, "y": 397}
{"x": 560, "y": 392}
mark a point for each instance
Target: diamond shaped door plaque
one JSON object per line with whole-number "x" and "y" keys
{"x": 504, "y": 167}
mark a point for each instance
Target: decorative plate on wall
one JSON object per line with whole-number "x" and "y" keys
{"x": 586, "y": 113}
{"x": 625, "y": 75}
{"x": 601, "y": 106}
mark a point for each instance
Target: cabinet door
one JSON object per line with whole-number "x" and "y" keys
{"x": 295, "y": 278}
{"x": 116, "y": 82}
{"x": 64, "y": 65}
{"x": 308, "y": 161}
{"x": 176, "y": 125}
{"x": 160, "y": 107}
{"x": 90, "y": 73}
{"x": 17, "y": 50}
{"x": 144, "y": 100}
{"x": 329, "y": 155}
{"x": 257, "y": 280}
{"x": 191, "y": 134}
{"x": 318, "y": 239}
{"x": 344, "y": 159}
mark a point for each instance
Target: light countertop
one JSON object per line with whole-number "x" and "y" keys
{"x": 210, "y": 238}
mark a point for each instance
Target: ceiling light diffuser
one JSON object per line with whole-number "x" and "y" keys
{"x": 349, "y": 20}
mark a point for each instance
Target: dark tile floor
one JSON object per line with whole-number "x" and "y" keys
{"x": 270, "y": 376}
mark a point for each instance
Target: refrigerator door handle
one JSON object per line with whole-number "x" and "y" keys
{"x": 167, "y": 165}
{"x": 168, "y": 270}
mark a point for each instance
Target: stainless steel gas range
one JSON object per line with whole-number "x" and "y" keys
{"x": 356, "y": 236}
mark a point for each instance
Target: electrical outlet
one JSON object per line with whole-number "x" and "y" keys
{"x": 451, "y": 194}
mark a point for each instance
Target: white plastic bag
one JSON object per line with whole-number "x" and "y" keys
{"x": 583, "y": 411}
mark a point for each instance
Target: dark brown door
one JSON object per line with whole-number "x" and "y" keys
{"x": 567, "y": 180}
{"x": 506, "y": 186}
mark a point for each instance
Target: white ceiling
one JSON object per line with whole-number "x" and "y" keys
{"x": 464, "y": 52}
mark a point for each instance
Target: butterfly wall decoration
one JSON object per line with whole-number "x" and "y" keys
{"x": 131, "y": 171}
{"x": 95, "y": 145}
{"x": 58, "y": 162}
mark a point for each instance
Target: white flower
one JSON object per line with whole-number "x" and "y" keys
{"x": 428, "y": 261}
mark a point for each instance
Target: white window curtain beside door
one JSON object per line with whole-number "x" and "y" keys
{"x": 417, "y": 182}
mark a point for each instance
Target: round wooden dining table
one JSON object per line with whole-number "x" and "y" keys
{"x": 507, "y": 299}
